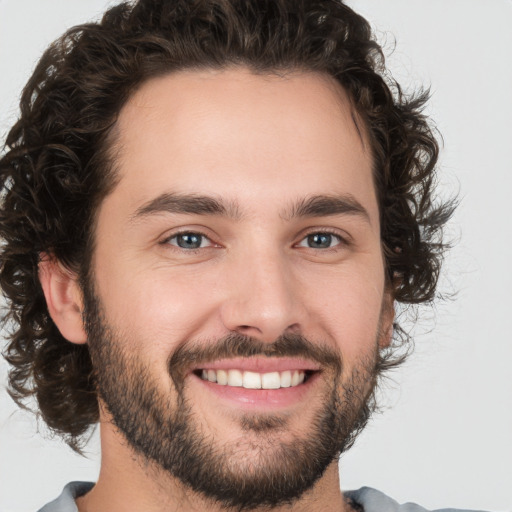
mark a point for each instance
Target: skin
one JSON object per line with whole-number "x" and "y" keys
{"x": 262, "y": 143}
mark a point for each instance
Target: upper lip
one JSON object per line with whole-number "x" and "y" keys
{"x": 260, "y": 364}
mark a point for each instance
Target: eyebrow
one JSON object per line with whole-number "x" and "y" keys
{"x": 192, "y": 204}
{"x": 326, "y": 205}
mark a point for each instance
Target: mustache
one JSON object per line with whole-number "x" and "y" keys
{"x": 193, "y": 354}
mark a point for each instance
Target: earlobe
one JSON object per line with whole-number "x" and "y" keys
{"x": 63, "y": 298}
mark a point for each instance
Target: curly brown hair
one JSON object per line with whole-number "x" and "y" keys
{"x": 56, "y": 167}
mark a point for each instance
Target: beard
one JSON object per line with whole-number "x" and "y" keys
{"x": 258, "y": 470}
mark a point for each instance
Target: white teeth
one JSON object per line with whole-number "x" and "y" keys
{"x": 271, "y": 380}
{"x": 235, "y": 378}
{"x": 222, "y": 377}
{"x": 286, "y": 379}
{"x": 254, "y": 380}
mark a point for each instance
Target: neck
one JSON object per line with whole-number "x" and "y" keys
{"x": 128, "y": 483}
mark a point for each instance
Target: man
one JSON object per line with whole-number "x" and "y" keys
{"x": 210, "y": 209}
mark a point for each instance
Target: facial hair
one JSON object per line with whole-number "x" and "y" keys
{"x": 164, "y": 428}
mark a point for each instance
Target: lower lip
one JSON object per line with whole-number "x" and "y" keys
{"x": 261, "y": 399}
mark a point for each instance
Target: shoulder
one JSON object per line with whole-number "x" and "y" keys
{"x": 66, "y": 501}
{"x": 375, "y": 501}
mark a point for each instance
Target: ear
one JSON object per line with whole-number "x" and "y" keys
{"x": 63, "y": 298}
{"x": 387, "y": 318}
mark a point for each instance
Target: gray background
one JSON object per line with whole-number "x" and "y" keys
{"x": 445, "y": 439}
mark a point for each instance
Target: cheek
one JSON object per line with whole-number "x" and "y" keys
{"x": 161, "y": 306}
{"x": 349, "y": 308}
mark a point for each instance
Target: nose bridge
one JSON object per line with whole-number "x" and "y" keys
{"x": 261, "y": 299}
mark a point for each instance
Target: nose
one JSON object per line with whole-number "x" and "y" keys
{"x": 262, "y": 298}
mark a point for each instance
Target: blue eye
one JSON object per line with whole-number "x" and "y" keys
{"x": 320, "y": 241}
{"x": 189, "y": 240}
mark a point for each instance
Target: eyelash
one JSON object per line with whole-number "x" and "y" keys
{"x": 342, "y": 241}
{"x": 187, "y": 232}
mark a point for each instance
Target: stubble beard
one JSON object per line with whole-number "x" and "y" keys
{"x": 261, "y": 470}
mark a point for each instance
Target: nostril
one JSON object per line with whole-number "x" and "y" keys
{"x": 247, "y": 329}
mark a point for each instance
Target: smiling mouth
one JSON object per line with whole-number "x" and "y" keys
{"x": 255, "y": 380}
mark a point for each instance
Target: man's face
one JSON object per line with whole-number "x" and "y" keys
{"x": 239, "y": 250}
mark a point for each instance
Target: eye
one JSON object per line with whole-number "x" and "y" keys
{"x": 320, "y": 241}
{"x": 190, "y": 240}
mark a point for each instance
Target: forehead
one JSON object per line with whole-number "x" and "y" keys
{"x": 242, "y": 136}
